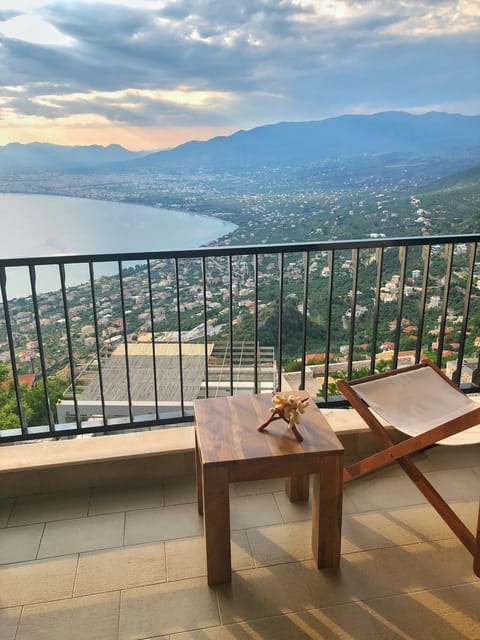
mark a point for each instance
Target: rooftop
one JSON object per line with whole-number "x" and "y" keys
{"x": 128, "y": 563}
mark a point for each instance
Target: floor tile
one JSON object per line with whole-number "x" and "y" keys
{"x": 50, "y": 506}
{"x": 18, "y": 544}
{"x": 150, "y": 525}
{"x": 82, "y": 534}
{"x": 254, "y": 511}
{"x": 450, "y": 613}
{"x": 6, "y": 505}
{"x": 167, "y": 608}
{"x": 281, "y": 543}
{"x": 445, "y": 457}
{"x": 263, "y": 592}
{"x": 260, "y": 486}
{"x": 180, "y": 491}
{"x": 9, "y": 622}
{"x": 114, "y": 500}
{"x": 373, "y": 492}
{"x": 455, "y": 484}
{"x": 37, "y": 581}
{"x": 114, "y": 569}
{"x": 293, "y": 511}
{"x": 87, "y": 618}
{"x": 186, "y": 558}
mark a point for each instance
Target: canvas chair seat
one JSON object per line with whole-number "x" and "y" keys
{"x": 423, "y": 403}
{"x": 417, "y": 400}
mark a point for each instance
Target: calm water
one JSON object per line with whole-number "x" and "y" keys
{"x": 39, "y": 225}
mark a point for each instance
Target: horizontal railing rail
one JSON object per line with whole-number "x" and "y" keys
{"x": 98, "y": 343}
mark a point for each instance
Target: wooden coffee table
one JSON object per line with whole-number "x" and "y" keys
{"x": 230, "y": 449}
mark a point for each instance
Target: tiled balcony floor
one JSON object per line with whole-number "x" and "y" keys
{"x": 128, "y": 564}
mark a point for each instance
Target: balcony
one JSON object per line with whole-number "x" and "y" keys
{"x": 119, "y": 552}
{"x": 126, "y": 563}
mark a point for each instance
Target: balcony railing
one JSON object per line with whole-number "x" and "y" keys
{"x": 130, "y": 340}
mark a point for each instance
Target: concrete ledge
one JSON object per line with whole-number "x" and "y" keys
{"x": 44, "y": 455}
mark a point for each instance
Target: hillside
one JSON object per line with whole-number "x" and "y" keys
{"x": 431, "y": 134}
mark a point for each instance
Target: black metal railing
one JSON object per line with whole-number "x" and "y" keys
{"x": 99, "y": 343}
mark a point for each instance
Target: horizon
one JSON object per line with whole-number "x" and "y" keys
{"x": 152, "y": 74}
{"x": 155, "y": 150}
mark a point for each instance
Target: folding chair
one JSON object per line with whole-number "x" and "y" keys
{"x": 423, "y": 403}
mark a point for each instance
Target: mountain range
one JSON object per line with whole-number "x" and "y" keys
{"x": 40, "y": 156}
{"x": 431, "y": 134}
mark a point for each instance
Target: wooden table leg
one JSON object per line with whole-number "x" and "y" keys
{"x": 327, "y": 511}
{"x": 298, "y": 488}
{"x": 476, "y": 556}
{"x": 216, "y": 518}
{"x": 199, "y": 474}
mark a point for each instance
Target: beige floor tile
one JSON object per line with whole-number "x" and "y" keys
{"x": 9, "y": 622}
{"x": 50, "y": 506}
{"x": 180, "y": 491}
{"x": 82, "y": 534}
{"x": 281, "y": 543}
{"x": 114, "y": 500}
{"x": 298, "y": 511}
{"x": 186, "y": 558}
{"x": 443, "y": 457}
{"x": 167, "y": 608}
{"x": 476, "y": 470}
{"x": 260, "y": 486}
{"x": 86, "y": 618}
{"x": 263, "y": 592}
{"x": 150, "y": 525}
{"x": 37, "y": 581}
{"x": 122, "y": 568}
{"x": 18, "y": 544}
{"x": 6, "y": 505}
{"x": 374, "y": 492}
{"x": 254, "y": 511}
{"x": 447, "y": 614}
{"x": 455, "y": 484}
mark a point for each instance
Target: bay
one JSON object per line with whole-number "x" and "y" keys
{"x": 46, "y": 225}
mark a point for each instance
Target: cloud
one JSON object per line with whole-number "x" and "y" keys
{"x": 152, "y": 62}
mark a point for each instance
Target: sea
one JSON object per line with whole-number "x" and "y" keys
{"x": 46, "y": 225}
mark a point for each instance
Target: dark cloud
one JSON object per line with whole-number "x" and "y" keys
{"x": 269, "y": 53}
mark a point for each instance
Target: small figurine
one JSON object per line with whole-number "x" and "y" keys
{"x": 289, "y": 409}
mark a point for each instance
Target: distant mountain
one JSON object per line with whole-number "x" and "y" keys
{"x": 37, "y": 156}
{"x": 345, "y": 136}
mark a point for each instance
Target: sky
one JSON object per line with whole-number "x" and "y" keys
{"x": 151, "y": 74}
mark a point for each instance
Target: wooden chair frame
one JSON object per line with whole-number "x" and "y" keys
{"x": 399, "y": 453}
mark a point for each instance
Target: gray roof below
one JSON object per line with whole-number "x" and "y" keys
{"x": 141, "y": 373}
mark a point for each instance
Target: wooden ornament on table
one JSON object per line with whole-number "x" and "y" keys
{"x": 287, "y": 408}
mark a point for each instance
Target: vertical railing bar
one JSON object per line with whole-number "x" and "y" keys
{"x": 125, "y": 339}
{"x": 11, "y": 347}
{"x": 61, "y": 268}
{"x": 41, "y": 350}
{"x": 179, "y": 330}
{"x": 280, "y": 321}
{"x": 446, "y": 295}
{"x": 355, "y": 256}
{"x": 403, "y": 250}
{"x": 376, "y": 309}
{"x": 205, "y": 321}
{"x": 230, "y": 316}
{"x": 95, "y": 324}
{"x": 255, "y": 326}
{"x": 457, "y": 374}
{"x": 152, "y": 326}
{"x": 423, "y": 300}
{"x": 306, "y": 268}
{"x": 328, "y": 336}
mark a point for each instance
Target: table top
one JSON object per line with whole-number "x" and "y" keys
{"x": 226, "y": 430}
